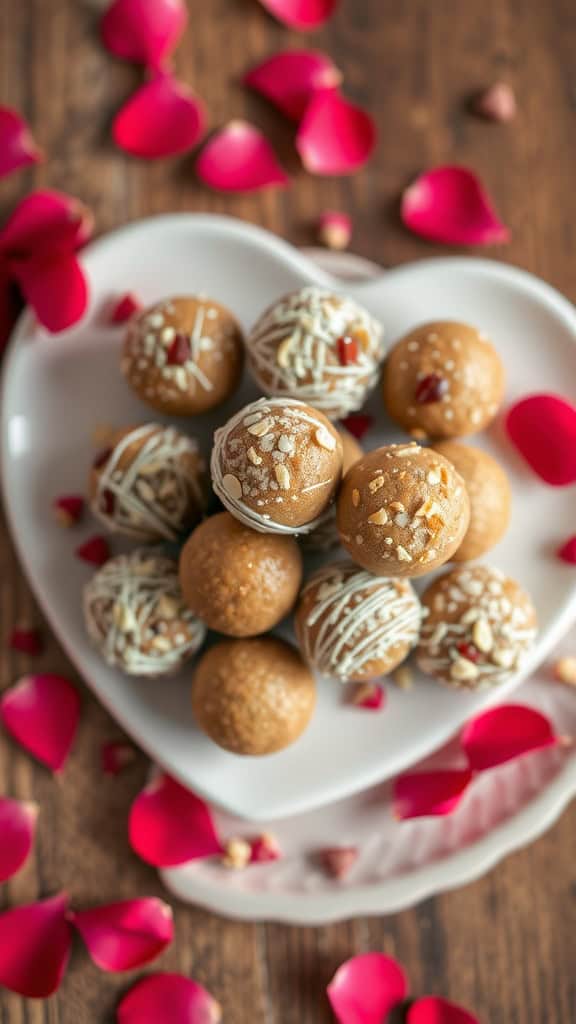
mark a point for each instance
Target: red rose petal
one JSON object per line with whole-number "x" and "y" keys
{"x": 17, "y": 147}
{"x": 10, "y": 307}
{"x": 366, "y": 988}
{"x": 168, "y": 999}
{"x": 46, "y": 222}
{"x": 116, "y": 755}
{"x": 425, "y": 794}
{"x": 69, "y": 509}
{"x": 144, "y": 31}
{"x": 504, "y": 733}
{"x": 358, "y": 424}
{"x": 17, "y": 828}
{"x": 162, "y": 118}
{"x": 288, "y": 79}
{"x": 265, "y": 848}
{"x": 568, "y": 551}
{"x": 543, "y": 428}
{"x": 35, "y": 947}
{"x": 239, "y": 158}
{"x": 334, "y": 136}
{"x": 450, "y": 204}
{"x": 169, "y": 825}
{"x": 56, "y": 288}
{"x": 338, "y": 861}
{"x": 42, "y": 712}
{"x": 301, "y": 14}
{"x": 95, "y": 550}
{"x": 125, "y": 308}
{"x": 335, "y": 229}
{"x": 121, "y": 936}
{"x": 435, "y": 1010}
{"x": 368, "y": 695}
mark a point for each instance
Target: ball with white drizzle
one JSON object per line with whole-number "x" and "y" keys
{"x": 135, "y": 615}
{"x": 150, "y": 484}
{"x": 276, "y": 465}
{"x": 353, "y": 626}
{"x": 319, "y": 347}
{"x": 183, "y": 356}
{"x": 479, "y": 628}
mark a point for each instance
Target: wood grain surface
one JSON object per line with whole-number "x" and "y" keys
{"x": 505, "y": 945}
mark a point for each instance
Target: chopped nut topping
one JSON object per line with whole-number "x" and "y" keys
{"x": 428, "y": 556}
{"x": 283, "y": 476}
{"x": 376, "y": 484}
{"x": 355, "y": 497}
{"x": 283, "y": 353}
{"x": 232, "y": 486}
{"x": 285, "y": 444}
{"x": 397, "y": 506}
{"x": 403, "y": 452}
{"x": 402, "y": 554}
{"x": 123, "y": 618}
{"x": 565, "y": 670}
{"x": 144, "y": 491}
{"x": 325, "y": 439}
{"x": 161, "y": 643}
{"x": 482, "y": 636}
{"x": 433, "y": 477}
{"x": 255, "y": 459}
{"x": 503, "y": 657}
{"x": 237, "y": 853}
{"x": 167, "y": 607}
{"x": 463, "y": 669}
{"x": 379, "y": 518}
{"x": 260, "y": 428}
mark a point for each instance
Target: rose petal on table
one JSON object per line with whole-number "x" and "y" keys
{"x": 169, "y": 825}
{"x": 288, "y": 79}
{"x": 124, "y": 308}
{"x": 301, "y": 14}
{"x": 366, "y": 988}
{"x": 56, "y": 288}
{"x": 116, "y": 755}
{"x": 46, "y": 222}
{"x": 162, "y": 118}
{"x": 334, "y": 229}
{"x": 435, "y": 1010}
{"x": 35, "y": 947}
{"x": 427, "y": 794}
{"x": 450, "y": 204}
{"x": 358, "y": 424}
{"x": 543, "y": 429}
{"x": 95, "y": 550}
{"x": 26, "y": 640}
{"x": 122, "y": 936}
{"x": 17, "y": 147}
{"x": 17, "y": 829}
{"x": 504, "y": 733}
{"x": 239, "y": 158}
{"x": 144, "y": 31}
{"x": 567, "y": 551}
{"x": 42, "y": 713}
{"x": 167, "y": 998}
{"x": 334, "y": 136}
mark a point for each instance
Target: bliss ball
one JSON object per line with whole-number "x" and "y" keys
{"x": 183, "y": 356}
{"x": 238, "y": 581}
{"x": 353, "y": 626}
{"x": 319, "y": 347}
{"x": 325, "y": 535}
{"x": 443, "y": 380}
{"x": 402, "y": 510}
{"x": 135, "y": 615}
{"x": 150, "y": 484}
{"x": 253, "y": 696}
{"x": 276, "y": 465}
{"x": 479, "y": 628}
{"x": 489, "y": 493}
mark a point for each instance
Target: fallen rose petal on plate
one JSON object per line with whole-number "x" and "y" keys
{"x": 45, "y": 223}
{"x": 567, "y": 551}
{"x": 169, "y": 998}
{"x": 162, "y": 118}
{"x": 122, "y": 936}
{"x": 265, "y": 848}
{"x": 17, "y": 146}
{"x": 504, "y": 733}
{"x": 95, "y": 550}
{"x": 288, "y": 79}
{"x": 239, "y": 158}
{"x": 26, "y": 640}
{"x": 435, "y": 1010}
{"x": 124, "y": 308}
{"x": 56, "y": 288}
{"x": 366, "y": 988}
{"x": 17, "y": 829}
{"x": 450, "y": 204}
{"x": 429, "y": 794}
{"x": 42, "y": 713}
{"x": 35, "y": 947}
{"x": 335, "y": 230}
{"x": 116, "y": 755}
{"x": 169, "y": 825}
{"x": 144, "y": 31}
{"x": 369, "y": 696}
{"x": 543, "y": 429}
{"x": 334, "y": 136}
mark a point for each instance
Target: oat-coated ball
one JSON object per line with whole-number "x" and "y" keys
{"x": 443, "y": 379}
{"x": 402, "y": 510}
{"x": 253, "y": 696}
{"x": 184, "y": 355}
{"x": 238, "y": 581}
{"x": 276, "y": 465}
{"x": 489, "y": 493}
{"x": 479, "y": 628}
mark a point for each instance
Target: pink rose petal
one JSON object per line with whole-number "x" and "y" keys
{"x": 42, "y": 712}
{"x": 17, "y": 828}
{"x": 358, "y": 424}
{"x": 95, "y": 550}
{"x": 366, "y": 988}
{"x": 504, "y": 733}
{"x": 288, "y": 79}
{"x": 265, "y": 848}
{"x": 124, "y": 308}
{"x": 450, "y": 204}
{"x": 567, "y": 552}
{"x": 55, "y": 287}
{"x": 239, "y": 158}
{"x": 69, "y": 509}
{"x": 35, "y": 947}
{"x": 121, "y": 936}
{"x": 168, "y": 999}
{"x": 46, "y": 222}
{"x": 425, "y": 794}
{"x": 144, "y": 31}
{"x": 435, "y": 1010}
{"x": 169, "y": 825}
{"x": 116, "y": 755}
{"x": 17, "y": 147}
{"x": 162, "y": 118}
{"x": 334, "y": 136}
{"x": 335, "y": 229}
{"x": 301, "y": 14}
{"x": 27, "y": 641}
{"x": 543, "y": 428}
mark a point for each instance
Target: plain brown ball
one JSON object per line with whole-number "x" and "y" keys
{"x": 489, "y": 493}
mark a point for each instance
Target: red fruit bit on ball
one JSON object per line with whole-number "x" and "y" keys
{"x": 69, "y": 509}
{"x": 95, "y": 551}
{"x": 543, "y": 428}
{"x": 101, "y": 458}
{"x": 468, "y": 651}
{"x": 338, "y": 861}
{"x": 347, "y": 351}
{"x": 179, "y": 351}
{"x": 430, "y": 389}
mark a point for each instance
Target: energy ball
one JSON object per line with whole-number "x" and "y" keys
{"x": 253, "y": 696}
{"x": 317, "y": 346}
{"x": 402, "y": 510}
{"x": 150, "y": 484}
{"x": 276, "y": 465}
{"x": 237, "y": 581}
{"x": 325, "y": 536}
{"x": 353, "y": 626}
{"x": 183, "y": 356}
{"x": 443, "y": 380}
{"x": 489, "y": 493}
{"x": 136, "y": 617}
{"x": 479, "y": 629}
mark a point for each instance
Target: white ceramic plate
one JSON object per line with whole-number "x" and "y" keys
{"x": 57, "y": 389}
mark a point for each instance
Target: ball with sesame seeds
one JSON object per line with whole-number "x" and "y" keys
{"x": 402, "y": 510}
{"x": 443, "y": 380}
{"x": 183, "y": 356}
{"x": 489, "y": 493}
{"x": 276, "y": 465}
{"x": 479, "y": 628}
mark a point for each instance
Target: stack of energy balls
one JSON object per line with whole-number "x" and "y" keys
{"x": 290, "y": 478}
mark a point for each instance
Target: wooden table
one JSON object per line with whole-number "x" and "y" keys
{"x": 505, "y": 945}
